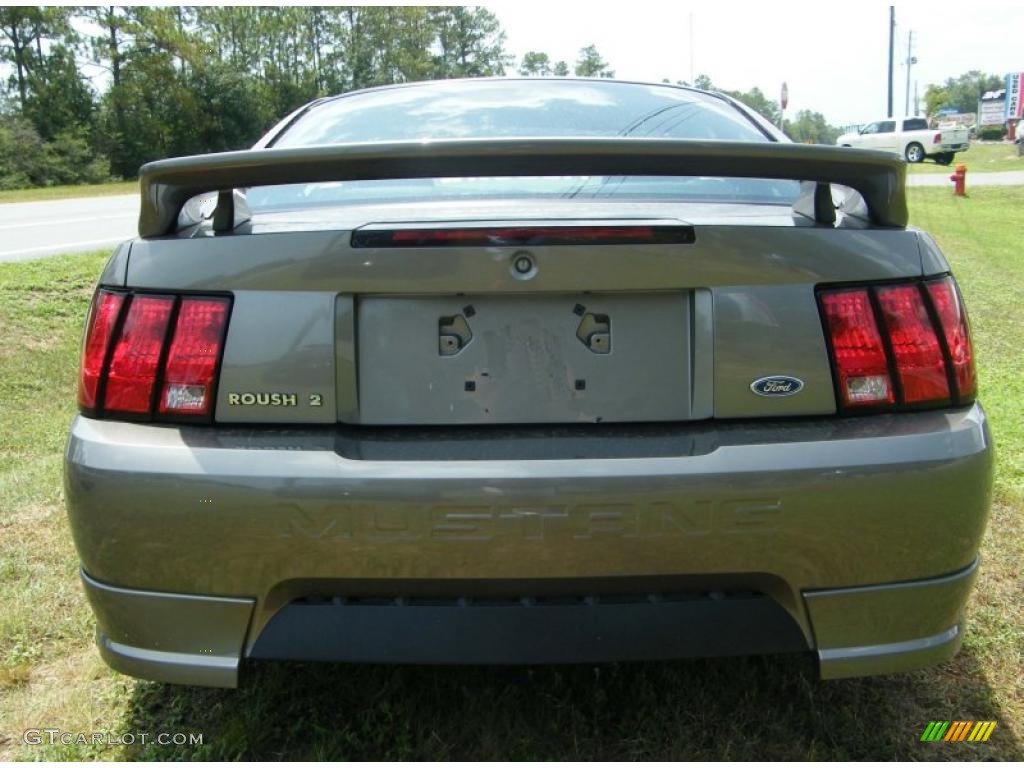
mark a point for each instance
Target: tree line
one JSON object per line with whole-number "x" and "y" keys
{"x": 186, "y": 79}
{"x": 93, "y": 92}
{"x": 806, "y": 126}
{"x": 962, "y": 94}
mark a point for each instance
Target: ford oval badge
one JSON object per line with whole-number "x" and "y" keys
{"x": 776, "y": 386}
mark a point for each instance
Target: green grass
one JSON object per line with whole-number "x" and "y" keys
{"x": 980, "y": 158}
{"x": 762, "y": 708}
{"x": 69, "y": 191}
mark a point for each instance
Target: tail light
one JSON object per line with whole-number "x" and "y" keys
{"x": 610, "y": 234}
{"x": 106, "y": 307}
{"x": 920, "y": 364}
{"x": 148, "y": 354}
{"x": 953, "y": 319}
{"x": 937, "y": 138}
{"x": 191, "y": 367}
{"x": 857, "y": 349}
{"x": 904, "y": 344}
{"x": 131, "y": 376}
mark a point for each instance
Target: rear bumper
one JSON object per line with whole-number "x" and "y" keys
{"x": 185, "y": 639}
{"x": 800, "y": 512}
{"x": 889, "y": 628}
{"x": 193, "y": 640}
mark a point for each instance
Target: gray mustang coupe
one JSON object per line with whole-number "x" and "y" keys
{"x": 526, "y": 371}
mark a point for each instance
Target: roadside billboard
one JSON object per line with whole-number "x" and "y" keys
{"x": 1014, "y": 107}
{"x": 962, "y": 119}
{"x": 991, "y": 110}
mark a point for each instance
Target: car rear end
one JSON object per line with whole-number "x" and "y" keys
{"x": 950, "y": 139}
{"x": 480, "y": 404}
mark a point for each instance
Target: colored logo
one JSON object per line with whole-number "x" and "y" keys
{"x": 958, "y": 730}
{"x": 776, "y": 386}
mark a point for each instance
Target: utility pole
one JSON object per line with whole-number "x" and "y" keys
{"x": 911, "y": 61}
{"x": 691, "y": 47}
{"x": 892, "y": 42}
{"x": 783, "y": 103}
{"x": 916, "y": 100}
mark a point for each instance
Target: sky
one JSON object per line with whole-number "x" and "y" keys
{"x": 833, "y": 56}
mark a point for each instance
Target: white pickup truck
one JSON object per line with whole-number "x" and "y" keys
{"x": 911, "y": 137}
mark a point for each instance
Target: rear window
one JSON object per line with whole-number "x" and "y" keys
{"x": 915, "y": 124}
{"x": 521, "y": 109}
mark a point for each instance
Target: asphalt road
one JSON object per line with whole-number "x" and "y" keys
{"x": 31, "y": 230}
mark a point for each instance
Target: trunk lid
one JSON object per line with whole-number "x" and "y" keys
{"x": 356, "y": 334}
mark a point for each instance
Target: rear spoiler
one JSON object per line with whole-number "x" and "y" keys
{"x": 879, "y": 177}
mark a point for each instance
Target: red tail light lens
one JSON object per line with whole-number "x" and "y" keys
{"x": 146, "y": 355}
{"x": 937, "y": 138}
{"x": 106, "y": 307}
{"x": 133, "y": 367}
{"x": 192, "y": 360}
{"x": 861, "y": 364}
{"x": 612, "y": 234}
{"x": 920, "y": 364}
{"x": 919, "y": 342}
{"x": 951, "y": 315}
